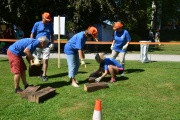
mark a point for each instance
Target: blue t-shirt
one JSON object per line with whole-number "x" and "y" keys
{"x": 75, "y": 43}
{"x": 39, "y": 29}
{"x": 110, "y": 61}
{"x": 18, "y": 47}
{"x": 121, "y": 38}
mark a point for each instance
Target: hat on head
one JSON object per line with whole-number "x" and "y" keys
{"x": 99, "y": 57}
{"x": 117, "y": 25}
{"x": 93, "y": 31}
{"x": 46, "y": 16}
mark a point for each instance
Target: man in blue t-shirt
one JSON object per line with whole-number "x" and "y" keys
{"x": 23, "y": 47}
{"x": 73, "y": 50}
{"x": 44, "y": 28}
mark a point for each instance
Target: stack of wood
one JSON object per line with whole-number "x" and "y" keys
{"x": 35, "y": 94}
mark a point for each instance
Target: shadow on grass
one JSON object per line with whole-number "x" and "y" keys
{"x": 57, "y": 84}
{"x": 58, "y": 75}
{"x": 127, "y": 71}
{"x": 4, "y": 60}
{"x": 121, "y": 78}
{"x": 63, "y": 74}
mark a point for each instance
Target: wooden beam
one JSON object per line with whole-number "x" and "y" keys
{"x": 41, "y": 95}
{"x": 29, "y": 90}
{"x": 90, "y": 87}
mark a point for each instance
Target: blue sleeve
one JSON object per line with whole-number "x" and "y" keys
{"x": 34, "y": 29}
{"x": 32, "y": 47}
{"x": 128, "y": 37}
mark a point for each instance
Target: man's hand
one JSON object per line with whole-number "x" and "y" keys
{"x": 51, "y": 46}
{"x": 36, "y": 62}
{"x": 83, "y": 63}
{"x": 98, "y": 79}
{"x": 125, "y": 47}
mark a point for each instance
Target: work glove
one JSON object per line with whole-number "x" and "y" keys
{"x": 83, "y": 63}
{"x": 51, "y": 46}
{"x": 111, "y": 47}
{"x": 98, "y": 79}
{"x": 37, "y": 62}
{"x": 125, "y": 47}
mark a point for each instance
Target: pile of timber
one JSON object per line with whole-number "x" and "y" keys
{"x": 35, "y": 94}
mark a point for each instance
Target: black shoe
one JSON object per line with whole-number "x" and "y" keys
{"x": 27, "y": 86}
{"x": 18, "y": 90}
{"x": 44, "y": 78}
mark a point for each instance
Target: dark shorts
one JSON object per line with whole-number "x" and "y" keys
{"x": 17, "y": 64}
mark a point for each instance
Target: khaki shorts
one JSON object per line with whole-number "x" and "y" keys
{"x": 43, "y": 53}
{"x": 114, "y": 55}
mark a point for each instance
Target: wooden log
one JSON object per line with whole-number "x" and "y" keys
{"x": 90, "y": 87}
{"x": 42, "y": 95}
{"x": 29, "y": 90}
{"x": 35, "y": 70}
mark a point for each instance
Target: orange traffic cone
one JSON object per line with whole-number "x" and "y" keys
{"x": 97, "y": 111}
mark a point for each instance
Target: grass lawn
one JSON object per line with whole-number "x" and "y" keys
{"x": 148, "y": 91}
{"x": 162, "y": 49}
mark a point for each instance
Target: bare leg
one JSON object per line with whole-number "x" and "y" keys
{"x": 45, "y": 66}
{"x": 23, "y": 77}
{"x": 16, "y": 80}
{"x": 112, "y": 71}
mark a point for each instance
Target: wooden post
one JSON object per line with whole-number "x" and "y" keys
{"x": 59, "y": 42}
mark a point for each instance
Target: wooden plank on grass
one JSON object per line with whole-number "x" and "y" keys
{"x": 29, "y": 90}
{"x": 42, "y": 95}
{"x": 90, "y": 87}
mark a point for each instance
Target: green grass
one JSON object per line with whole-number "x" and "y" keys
{"x": 162, "y": 49}
{"x": 149, "y": 91}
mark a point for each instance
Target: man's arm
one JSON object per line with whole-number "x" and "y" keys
{"x": 28, "y": 54}
{"x": 31, "y": 35}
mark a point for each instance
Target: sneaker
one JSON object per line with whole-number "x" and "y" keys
{"x": 75, "y": 85}
{"x": 44, "y": 78}
{"x": 112, "y": 80}
{"x": 18, "y": 90}
{"x": 122, "y": 74}
{"x": 27, "y": 86}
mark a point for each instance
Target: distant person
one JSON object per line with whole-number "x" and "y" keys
{"x": 108, "y": 66}
{"x": 19, "y": 33}
{"x": 151, "y": 36}
{"x": 74, "y": 51}
{"x": 71, "y": 33}
{"x": 7, "y": 33}
{"x": 157, "y": 36}
{"x": 44, "y": 28}
{"x": 23, "y": 47}
{"x": 121, "y": 40}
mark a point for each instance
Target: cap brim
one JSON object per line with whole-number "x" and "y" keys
{"x": 47, "y": 19}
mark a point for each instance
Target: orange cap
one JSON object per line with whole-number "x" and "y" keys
{"x": 117, "y": 25}
{"x": 93, "y": 31}
{"x": 46, "y": 16}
